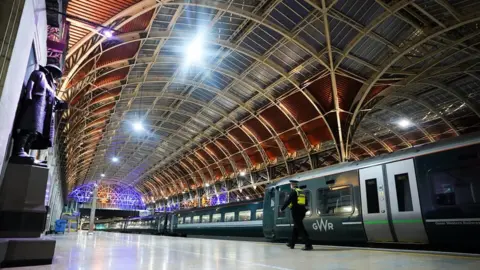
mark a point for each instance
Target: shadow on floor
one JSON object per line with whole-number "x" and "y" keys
{"x": 323, "y": 249}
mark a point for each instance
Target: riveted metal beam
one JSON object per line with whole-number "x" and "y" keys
{"x": 433, "y": 33}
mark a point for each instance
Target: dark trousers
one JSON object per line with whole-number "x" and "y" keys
{"x": 299, "y": 229}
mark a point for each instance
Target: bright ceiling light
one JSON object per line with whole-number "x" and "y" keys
{"x": 138, "y": 126}
{"x": 404, "y": 123}
{"x": 248, "y": 198}
{"x": 115, "y": 159}
{"x": 108, "y": 33}
{"x": 243, "y": 173}
{"x": 195, "y": 50}
{"x": 102, "y": 175}
{"x": 207, "y": 184}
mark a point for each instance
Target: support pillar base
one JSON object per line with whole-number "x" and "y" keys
{"x": 23, "y": 217}
{"x": 27, "y": 251}
{"x": 22, "y": 201}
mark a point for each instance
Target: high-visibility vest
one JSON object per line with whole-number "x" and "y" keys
{"x": 301, "y": 200}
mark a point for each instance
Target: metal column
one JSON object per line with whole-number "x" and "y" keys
{"x": 92, "y": 210}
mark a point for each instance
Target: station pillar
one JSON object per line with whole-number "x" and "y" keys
{"x": 92, "y": 210}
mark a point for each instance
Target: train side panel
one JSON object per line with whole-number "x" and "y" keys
{"x": 225, "y": 220}
{"x": 449, "y": 187}
{"x": 334, "y": 210}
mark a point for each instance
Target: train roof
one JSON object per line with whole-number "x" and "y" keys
{"x": 415, "y": 151}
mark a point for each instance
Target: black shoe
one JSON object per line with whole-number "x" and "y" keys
{"x": 307, "y": 248}
{"x": 290, "y": 246}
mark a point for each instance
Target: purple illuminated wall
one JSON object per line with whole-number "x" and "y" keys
{"x": 109, "y": 196}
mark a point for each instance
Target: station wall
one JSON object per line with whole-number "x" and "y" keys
{"x": 23, "y": 46}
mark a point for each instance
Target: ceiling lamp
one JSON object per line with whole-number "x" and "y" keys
{"x": 243, "y": 173}
{"x": 102, "y": 175}
{"x": 138, "y": 126}
{"x": 115, "y": 159}
{"x": 195, "y": 50}
{"x": 404, "y": 123}
{"x": 107, "y": 33}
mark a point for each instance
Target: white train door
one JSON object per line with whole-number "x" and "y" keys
{"x": 374, "y": 205}
{"x": 390, "y": 203}
{"x": 405, "y": 203}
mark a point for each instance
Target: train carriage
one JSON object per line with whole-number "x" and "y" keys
{"x": 427, "y": 195}
{"x": 423, "y": 195}
{"x": 236, "y": 219}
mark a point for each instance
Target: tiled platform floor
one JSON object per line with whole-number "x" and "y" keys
{"x": 130, "y": 251}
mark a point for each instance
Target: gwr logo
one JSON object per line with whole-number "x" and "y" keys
{"x": 325, "y": 226}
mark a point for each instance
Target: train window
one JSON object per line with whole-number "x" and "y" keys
{"x": 272, "y": 197}
{"x": 229, "y": 217}
{"x": 307, "y": 202}
{"x": 259, "y": 214}
{"x": 188, "y": 220}
{"x": 334, "y": 200}
{"x": 217, "y": 217}
{"x": 281, "y": 200}
{"x": 404, "y": 195}
{"x": 180, "y": 220}
{"x": 196, "y": 219}
{"x": 456, "y": 186}
{"x": 206, "y": 219}
{"x": 372, "y": 196}
{"x": 244, "y": 215}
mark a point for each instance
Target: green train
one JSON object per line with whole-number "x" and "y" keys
{"x": 427, "y": 195}
{"x": 244, "y": 218}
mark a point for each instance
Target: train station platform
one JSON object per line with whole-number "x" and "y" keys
{"x": 131, "y": 251}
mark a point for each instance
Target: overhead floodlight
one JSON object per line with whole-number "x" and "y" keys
{"x": 243, "y": 173}
{"x": 115, "y": 159}
{"x": 404, "y": 123}
{"x": 107, "y": 33}
{"x": 248, "y": 198}
{"x": 138, "y": 126}
{"x": 102, "y": 175}
{"x": 195, "y": 50}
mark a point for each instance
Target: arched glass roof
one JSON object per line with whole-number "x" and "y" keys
{"x": 279, "y": 87}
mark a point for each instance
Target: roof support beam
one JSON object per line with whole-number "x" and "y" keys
{"x": 333, "y": 78}
{"x": 363, "y": 93}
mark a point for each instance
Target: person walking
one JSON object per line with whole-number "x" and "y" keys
{"x": 296, "y": 202}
